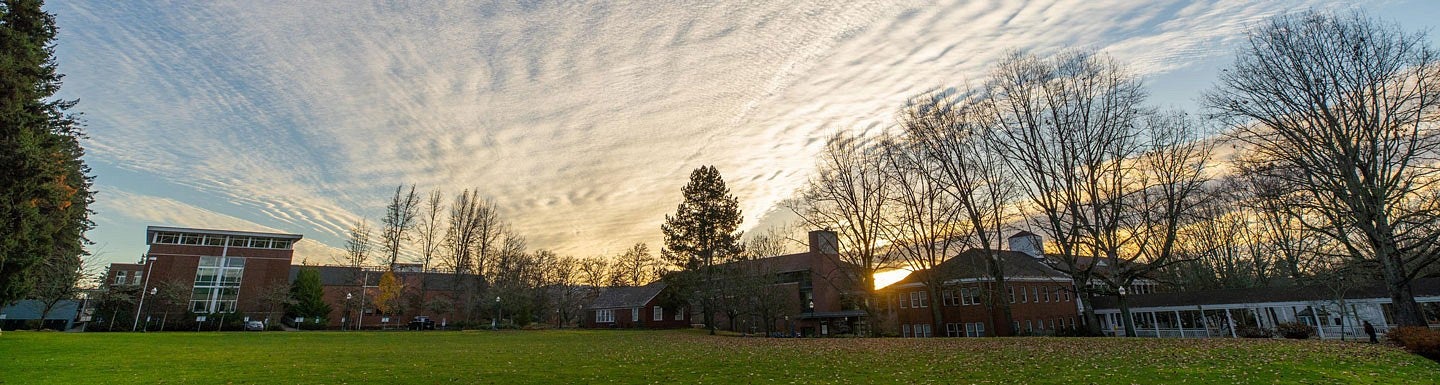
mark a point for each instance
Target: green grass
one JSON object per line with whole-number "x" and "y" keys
{"x": 681, "y": 357}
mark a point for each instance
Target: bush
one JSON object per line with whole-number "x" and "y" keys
{"x": 1418, "y": 340}
{"x": 1295, "y": 330}
{"x": 1254, "y": 332}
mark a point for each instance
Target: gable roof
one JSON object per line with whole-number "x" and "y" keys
{"x": 626, "y": 297}
{"x": 972, "y": 264}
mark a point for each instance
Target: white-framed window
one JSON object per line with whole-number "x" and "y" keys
{"x": 924, "y": 302}
{"x": 947, "y": 297}
{"x": 217, "y": 284}
{"x": 905, "y": 330}
{"x": 923, "y": 331}
{"x": 120, "y": 277}
{"x": 634, "y": 314}
{"x": 975, "y": 329}
{"x": 904, "y": 302}
{"x": 680, "y": 314}
{"x": 953, "y": 330}
{"x": 1035, "y": 293}
{"x": 1029, "y": 326}
{"x": 1045, "y": 293}
{"x": 139, "y": 278}
{"x": 1023, "y": 297}
{"x": 1012, "y": 294}
{"x": 915, "y": 299}
{"x": 659, "y": 313}
{"x": 605, "y": 316}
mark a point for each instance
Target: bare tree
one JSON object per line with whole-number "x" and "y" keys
{"x": 849, "y": 194}
{"x": 1346, "y": 107}
{"x": 921, "y": 223}
{"x": 635, "y": 267}
{"x": 954, "y": 133}
{"x": 399, "y": 220}
{"x": 567, "y": 294}
{"x": 1067, "y": 129}
{"x": 357, "y": 246}
{"x": 474, "y": 227}
{"x": 431, "y": 230}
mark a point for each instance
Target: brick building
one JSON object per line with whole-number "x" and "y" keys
{"x": 1041, "y": 298}
{"x": 223, "y": 271}
{"x": 812, "y": 293}
{"x": 633, "y": 307}
{"x": 344, "y": 291}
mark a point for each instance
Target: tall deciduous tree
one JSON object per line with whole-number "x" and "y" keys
{"x": 399, "y": 220}
{"x": 388, "y": 300}
{"x": 849, "y": 194}
{"x": 44, "y": 185}
{"x": 1344, "y": 108}
{"x": 703, "y": 233}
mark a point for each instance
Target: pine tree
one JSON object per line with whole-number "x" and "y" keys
{"x": 308, "y": 295}
{"x": 702, "y": 234}
{"x": 44, "y": 185}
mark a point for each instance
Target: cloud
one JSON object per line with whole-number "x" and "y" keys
{"x": 582, "y": 120}
{"x": 120, "y": 208}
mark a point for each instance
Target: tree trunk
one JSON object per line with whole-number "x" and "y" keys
{"x": 1129, "y": 321}
{"x": 999, "y": 298}
{"x": 935, "y": 311}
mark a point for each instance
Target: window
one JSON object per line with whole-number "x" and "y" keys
{"x": 120, "y": 277}
{"x": 923, "y": 300}
{"x": 915, "y": 299}
{"x": 1029, "y": 327}
{"x": 948, "y": 296}
{"x": 217, "y": 284}
{"x": 260, "y": 243}
{"x": 680, "y": 314}
{"x": 191, "y": 239}
{"x": 923, "y": 331}
{"x": 979, "y": 329}
{"x": 239, "y": 241}
{"x": 634, "y": 314}
{"x": 139, "y": 278}
{"x": 1024, "y": 298}
{"x": 953, "y": 330}
{"x": 1067, "y": 295}
{"x": 1012, "y": 294}
{"x": 974, "y": 296}
{"x": 809, "y": 300}
{"x": 605, "y": 316}
{"x": 1045, "y": 293}
{"x": 659, "y": 313}
{"x": 904, "y": 302}
{"x": 167, "y": 238}
{"x": 1035, "y": 294}
{"x": 214, "y": 240}
{"x": 280, "y": 244}
{"x": 905, "y": 330}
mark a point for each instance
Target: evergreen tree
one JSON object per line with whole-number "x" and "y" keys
{"x": 44, "y": 185}
{"x": 702, "y": 234}
{"x": 308, "y": 295}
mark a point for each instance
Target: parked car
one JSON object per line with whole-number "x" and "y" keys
{"x": 254, "y": 326}
{"x": 422, "y": 323}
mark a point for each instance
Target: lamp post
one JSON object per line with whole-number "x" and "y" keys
{"x": 348, "y": 297}
{"x": 149, "y": 266}
{"x": 495, "y": 323}
{"x": 1125, "y": 312}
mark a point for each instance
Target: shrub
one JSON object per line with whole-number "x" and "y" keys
{"x": 1418, "y": 340}
{"x": 1295, "y": 330}
{"x": 1254, "y": 332}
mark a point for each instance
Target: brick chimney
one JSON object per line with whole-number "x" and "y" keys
{"x": 824, "y": 242}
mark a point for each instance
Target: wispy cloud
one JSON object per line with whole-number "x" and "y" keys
{"x": 581, "y": 120}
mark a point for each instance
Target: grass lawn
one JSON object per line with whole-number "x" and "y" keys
{"x": 682, "y": 357}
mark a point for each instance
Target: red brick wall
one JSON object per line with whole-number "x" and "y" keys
{"x": 1040, "y": 313}
{"x": 263, "y": 268}
{"x": 624, "y": 317}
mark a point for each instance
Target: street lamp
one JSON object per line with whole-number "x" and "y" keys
{"x": 494, "y": 324}
{"x": 149, "y": 266}
{"x": 348, "y": 297}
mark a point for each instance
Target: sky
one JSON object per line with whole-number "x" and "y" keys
{"x": 580, "y": 120}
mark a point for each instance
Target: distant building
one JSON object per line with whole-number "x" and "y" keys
{"x": 1041, "y": 298}
{"x": 633, "y": 307}
{"x": 1336, "y": 312}
{"x": 352, "y": 302}
{"x": 62, "y": 315}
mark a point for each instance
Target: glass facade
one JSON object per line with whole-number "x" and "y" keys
{"x": 217, "y": 284}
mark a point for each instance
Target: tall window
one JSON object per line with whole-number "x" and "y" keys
{"x": 634, "y": 314}
{"x": 1012, "y": 294}
{"x": 904, "y": 302}
{"x": 915, "y": 299}
{"x": 217, "y": 284}
{"x": 659, "y": 313}
{"x": 139, "y": 278}
{"x": 1035, "y": 293}
{"x": 923, "y": 300}
{"x": 905, "y": 330}
{"x": 680, "y": 314}
{"x": 1045, "y": 293}
{"x": 120, "y": 277}
{"x": 923, "y": 331}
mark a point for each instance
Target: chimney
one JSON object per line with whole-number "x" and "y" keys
{"x": 824, "y": 242}
{"x": 1028, "y": 243}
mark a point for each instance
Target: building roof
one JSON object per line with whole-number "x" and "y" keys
{"x": 626, "y": 297}
{"x": 1424, "y": 287}
{"x": 151, "y": 230}
{"x": 972, "y": 264}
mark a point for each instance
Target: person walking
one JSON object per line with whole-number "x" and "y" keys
{"x": 1370, "y": 330}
